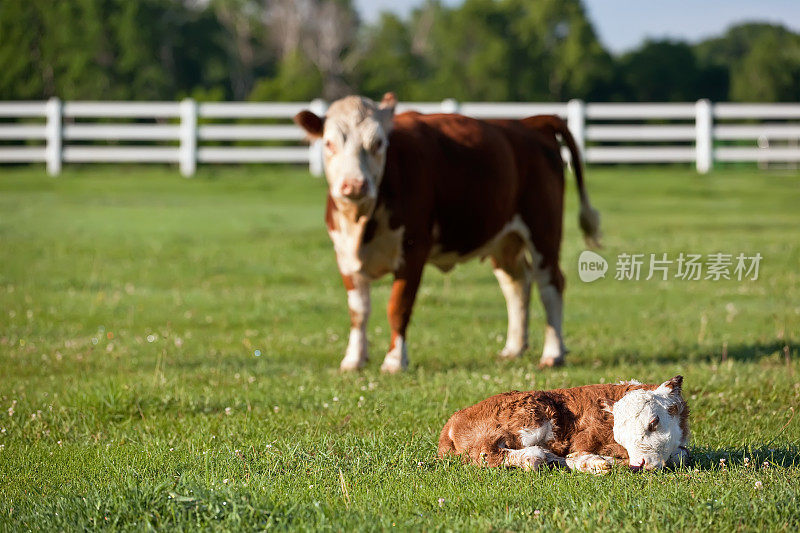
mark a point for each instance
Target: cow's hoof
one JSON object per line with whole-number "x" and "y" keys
{"x": 396, "y": 359}
{"x": 393, "y": 366}
{"x": 511, "y": 353}
{"x": 551, "y": 362}
{"x": 351, "y": 365}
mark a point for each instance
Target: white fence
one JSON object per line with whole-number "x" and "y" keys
{"x": 189, "y": 133}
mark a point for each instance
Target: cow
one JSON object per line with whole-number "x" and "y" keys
{"x": 585, "y": 428}
{"x": 408, "y": 189}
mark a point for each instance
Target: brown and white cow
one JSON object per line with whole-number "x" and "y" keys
{"x": 409, "y": 189}
{"x": 584, "y": 428}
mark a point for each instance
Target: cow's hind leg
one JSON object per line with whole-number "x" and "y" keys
{"x": 514, "y": 273}
{"x": 550, "y": 281}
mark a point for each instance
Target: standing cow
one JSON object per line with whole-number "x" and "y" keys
{"x": 409, "y": 189}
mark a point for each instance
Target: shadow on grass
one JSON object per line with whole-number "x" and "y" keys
{"x": 582, "y": 359}
{"x": 758, "y": 457}
{"x": 738, "y": 352}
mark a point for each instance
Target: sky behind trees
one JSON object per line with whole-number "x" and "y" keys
{"x": 625, "y": 24}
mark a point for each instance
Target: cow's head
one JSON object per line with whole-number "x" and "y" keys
{"x": 652, "y": 425}
{"x": 355, "y": 136}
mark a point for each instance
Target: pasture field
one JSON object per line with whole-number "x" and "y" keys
{"x": 169, "y": 352}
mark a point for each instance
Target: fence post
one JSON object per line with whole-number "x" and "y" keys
{"x": 54, "y": 141}
{"x": 187, "y": 153}
{"x": 576, "y": 120}
{"x": 319, "y": 107}
{"x": 450, "y": 105}
{"x": 704, "y": 136}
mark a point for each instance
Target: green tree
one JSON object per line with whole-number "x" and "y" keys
{"x": 387, "y": 61}
{"x": 557, "y": 54}
{"x": 489, "y": 50}
{"x": 662, "y": 71}
{"x": 762, "y": 60}
{"x": 296, "y": 79}
{"x": 20, "y": 52}
{"x": 770, "y": 72}
{"x": 110, "y": 49}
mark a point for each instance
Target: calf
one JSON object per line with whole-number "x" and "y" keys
{"x": 585, "y": 428}
{"x": 409, "y": 189}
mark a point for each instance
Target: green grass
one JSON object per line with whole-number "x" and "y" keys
{"x": 133, "y": 304}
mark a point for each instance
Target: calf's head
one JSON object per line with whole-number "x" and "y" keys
{"x": 355, "y": 136}
{"x": 652, "y": 425}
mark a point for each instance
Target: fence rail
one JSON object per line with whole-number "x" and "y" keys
{"x": 188, "y": 133}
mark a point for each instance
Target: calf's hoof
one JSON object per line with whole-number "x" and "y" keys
{"x": 532, "y": 463}
{"x": 531, "y": 458}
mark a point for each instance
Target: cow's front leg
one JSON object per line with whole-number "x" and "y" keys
{"x": 358, "y": 301}
{"x": 401, "y": 302}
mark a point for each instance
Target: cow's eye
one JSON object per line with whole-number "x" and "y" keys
{"x": 653, "y": 424}
{"x": 329, "y": 146}
{"x": 376, "y": 146}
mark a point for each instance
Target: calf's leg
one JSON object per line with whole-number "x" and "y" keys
{"x": 358, "y": 301}
{"x": 590, "y": 463}
{"x": 532, "y": 458}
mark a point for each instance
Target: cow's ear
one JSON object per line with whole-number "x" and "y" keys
{"x": 671, "y": 387}
{"x": 311, "y": 123}
{"x": 606, "y": 405}
{"x": 388, "y": 103}
{"x": 386, "y": 110}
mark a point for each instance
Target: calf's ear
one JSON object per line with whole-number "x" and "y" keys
{"x": 671, "y": 387}
{"x": 606, "y": 405}
{"x": 311, "y": 123}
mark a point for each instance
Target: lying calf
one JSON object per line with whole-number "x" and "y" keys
{"x": 584, "y": 428}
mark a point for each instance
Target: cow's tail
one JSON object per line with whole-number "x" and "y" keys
{"x": 588, "y": 216}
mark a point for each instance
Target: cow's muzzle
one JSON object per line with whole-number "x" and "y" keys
{"x": 353, "y": 189}
{"x": 646, "y": 466}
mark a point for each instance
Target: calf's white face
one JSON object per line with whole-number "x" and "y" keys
{"x": 648, "y": 425}
{"x": 354, "y": 134}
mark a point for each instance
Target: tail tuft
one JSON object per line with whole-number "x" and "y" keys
{"x": 589, "y": 220}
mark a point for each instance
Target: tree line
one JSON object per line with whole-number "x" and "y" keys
{"x": 481, "y": 50}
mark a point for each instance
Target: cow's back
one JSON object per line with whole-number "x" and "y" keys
{"x": 458, "y": 173}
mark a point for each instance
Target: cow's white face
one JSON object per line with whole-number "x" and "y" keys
{"x": 355, "y": 136}
{"x": 648, "y": 425}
